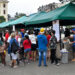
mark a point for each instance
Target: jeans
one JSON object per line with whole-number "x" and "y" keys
{"x": 44, "y": 57}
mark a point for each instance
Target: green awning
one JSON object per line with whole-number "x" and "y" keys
{"x": 5, "y": 24}
{"x": 18, "y": 21}
{"x": 35, "y": 17}
{"x": 66, "y": 12}
{"x": 14, "y": 22}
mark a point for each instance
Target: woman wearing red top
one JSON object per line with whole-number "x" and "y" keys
{"x": 7, "y": 35}
{"x": 48, "y": 38}
{"x": 27, "y": 46}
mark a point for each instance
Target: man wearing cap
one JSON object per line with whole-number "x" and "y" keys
{"x": 42, "y": 46}
{"x": 22, "y": 33}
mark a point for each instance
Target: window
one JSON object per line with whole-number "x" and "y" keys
{"x": 4, "y": 5}
{"x": 4, "y": 12}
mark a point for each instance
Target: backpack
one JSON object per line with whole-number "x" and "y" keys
{"x": 14, "y": 47}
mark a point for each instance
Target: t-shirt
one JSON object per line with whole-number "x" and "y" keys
{"x": 6, "y": 36}
{"x": 22, "y": 34}
{"x": 19, "y": 41}
{"x": 48, "y": 38}
{"x": 9, "y": 39}
{"x": 17, "y": 37}
{"x": 73, "y": 40}
{"x": 32, "y": 37}
{"x": 27, "y": 44}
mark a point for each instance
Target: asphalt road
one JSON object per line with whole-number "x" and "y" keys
{"x": 33, "y": 69}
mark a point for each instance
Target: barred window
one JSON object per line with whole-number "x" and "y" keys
{"x": 4, "y": 5}
{"x": 4, "y": 12}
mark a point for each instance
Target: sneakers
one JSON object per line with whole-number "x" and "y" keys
{"x": 39, "y": 65}
{"x": 15, "y": 66}
{"x": 45, "y": 65}
{"x": 58, "y": 64}
{"x": 53, "y": 63}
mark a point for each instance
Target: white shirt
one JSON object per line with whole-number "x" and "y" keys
{"x": 19, "y": 40}
{"x": 32, "y": 37}
{"x": 9, "y": 39}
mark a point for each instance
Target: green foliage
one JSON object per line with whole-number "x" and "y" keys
{"x": 2, "y": 19}
{"x": 18, "y": 15}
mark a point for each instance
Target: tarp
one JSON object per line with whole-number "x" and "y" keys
{"x": 5, "y": 24}
{"x": 66, "y": 12}
{"x": 33, "y": 18}
{"x": 14, "y": 22}
{"x": 18, "y": 21}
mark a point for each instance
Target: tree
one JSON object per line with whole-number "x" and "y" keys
{"x": 9, "y": 17}
{"x": 2, "y": 19}
{"x": 66, "y": 1}
{"x": 18, "y": 15}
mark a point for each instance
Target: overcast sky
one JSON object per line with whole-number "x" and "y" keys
{"x": 26, "y": 6}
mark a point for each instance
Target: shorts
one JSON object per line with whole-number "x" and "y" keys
{"x": 27, "y": 50}
{"x": 14, "y": 56}
{"x": 73, "y": 48}
{"x": 33, "y": 47}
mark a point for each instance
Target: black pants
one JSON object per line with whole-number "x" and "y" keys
{"x": 53, "y": 56}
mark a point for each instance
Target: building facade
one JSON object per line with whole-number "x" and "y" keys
{"x": 50, "y": 7}
{"x": 4, "y": 9}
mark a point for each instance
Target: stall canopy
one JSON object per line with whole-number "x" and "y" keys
{"x": 66, "y": 12}
{"x": 5, "y": 24}
{"x": 32, "y": 18}
{"x": 18, "y": 21}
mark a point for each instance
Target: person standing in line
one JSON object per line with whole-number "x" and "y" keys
{"x": 6, "y": 35}
{"x": 48, "y": 38}
{"x": 13, "y": 44}
{"x": 67, "y": 32}
{"x": 27, "y": 47}
{"x": 32, "y": 37}
{"x": 3, "y": 52}
{"x": 53, "y": 47}
{"x": 73, "y": 46}
{"x": 22, "y": 32}
{"x": 16, "y": 36}
{"x": 42, "y": 46}
{"x": 19, "y": 38}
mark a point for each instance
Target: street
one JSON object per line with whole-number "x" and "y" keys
{"x": 33, "y": 69}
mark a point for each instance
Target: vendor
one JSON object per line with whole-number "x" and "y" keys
{"x": 73, "y": 45}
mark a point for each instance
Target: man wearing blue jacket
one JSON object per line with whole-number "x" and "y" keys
{"x": 42, "y": 46}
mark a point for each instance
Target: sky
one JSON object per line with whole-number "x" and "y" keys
{"x": 26, "y": 6}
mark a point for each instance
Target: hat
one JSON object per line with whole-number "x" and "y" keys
{"x": 42, "y": 30}
{"x": 22, "y": 29}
